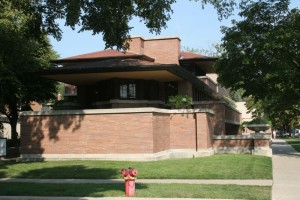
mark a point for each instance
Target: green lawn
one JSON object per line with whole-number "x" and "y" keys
{"x": 142, "y": 190}
{"x": 226, "y": 166}
{"x": 294, "y": 142}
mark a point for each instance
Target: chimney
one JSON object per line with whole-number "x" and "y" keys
{"x": 136, "y": 45}
{"x": 165, "y": 50}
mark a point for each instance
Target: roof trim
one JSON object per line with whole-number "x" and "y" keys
{"x": 80, "y": 60}
{"x": 66, "y": 70}
{"x": 156, "y": 38}
{"x": 197, "y": 59}
{"x": 184, "y": 74}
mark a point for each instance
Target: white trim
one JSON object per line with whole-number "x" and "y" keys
{"x": 163, "y": 155}
{"x": 115, "y": 111}
{"x": 255, "y": 136}
{"x": 156, "y": 38}
{"x": 127, "y": 102}
{"x": 232, "y": 137}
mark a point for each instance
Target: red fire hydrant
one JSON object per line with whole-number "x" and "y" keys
{"x": 129, "y": 176}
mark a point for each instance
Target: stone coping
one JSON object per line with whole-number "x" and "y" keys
{"x": 215, "y": 102}
{"x": 162, "y": 155}
{"x": 232, "y": 122}
{"x": 116, "y": 111}
{"x": 257, "y": 136}
{"x": 128, "y": 102}
{"x": 257, "y": 125}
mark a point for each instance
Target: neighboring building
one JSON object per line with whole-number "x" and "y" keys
{"x": 118, "y": 108}
{"x": 246, "y": 115}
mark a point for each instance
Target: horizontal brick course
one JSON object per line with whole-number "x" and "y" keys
{"x": 111, "y": 133}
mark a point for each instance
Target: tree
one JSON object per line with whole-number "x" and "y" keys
{"x": 20, "y": 56}
{"x": 262, "y": 56}
{"x": 108, "y": 17}
{"x": 213, "y": 51}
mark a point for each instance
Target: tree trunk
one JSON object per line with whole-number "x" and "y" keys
{"x": 13, "y": 121}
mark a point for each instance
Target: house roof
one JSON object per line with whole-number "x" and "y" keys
{"x": 188, "y": 55}
{"x": 101, "y": 55}
{"x": 110, "y": 53}
{"x": 205, "y": 63}
{"x": 101, "y": 65}
{"x": 90, "y": 72}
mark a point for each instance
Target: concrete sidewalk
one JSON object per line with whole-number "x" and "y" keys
{"x": 99, "y": 198}
{"x": 286, "y": 171}
{"x": 116, "y": 181}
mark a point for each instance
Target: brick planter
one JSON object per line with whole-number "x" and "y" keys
{"x": 256, "y": 144}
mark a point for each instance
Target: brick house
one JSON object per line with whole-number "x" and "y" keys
{"x": 119, "y": 111}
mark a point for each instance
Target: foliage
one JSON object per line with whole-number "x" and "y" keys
{"x": 107, "y": 17}
{"x": 214, "y": 50}
{"x": 21, "y": 54}
{"x": 61, "y": 89}
{"x": 238, "y": 95}
{"x": 262, "y": 56}
{"x": 229, "y": 101}
{"x": 180, "y": 101}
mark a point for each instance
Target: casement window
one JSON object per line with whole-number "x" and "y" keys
{"x": 128, "y": 91}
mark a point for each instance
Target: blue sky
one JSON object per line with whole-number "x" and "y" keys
{"x": 198, "y": 28}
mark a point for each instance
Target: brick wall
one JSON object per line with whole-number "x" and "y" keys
{"x": 258, "y": 144}
{"x": 141, "y": 131}
{"x": 219, "y": 119}
{"x": 182, "y": 129}
{"x": 205, "y": 123}
{"x": 64, "y": 134}
{"x": 232, "y": 114}
{"x": 161, "y": 132}
{"x": 226, "y": 120}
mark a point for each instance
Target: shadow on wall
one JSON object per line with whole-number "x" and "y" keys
{"x": 35, "y": 128}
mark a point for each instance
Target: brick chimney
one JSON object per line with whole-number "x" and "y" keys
{"x": 165, "y": 50}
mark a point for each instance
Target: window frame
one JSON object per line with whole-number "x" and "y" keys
{"x": 128, "y": 89}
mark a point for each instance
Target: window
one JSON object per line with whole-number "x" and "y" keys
{"x": 128, "y": 91}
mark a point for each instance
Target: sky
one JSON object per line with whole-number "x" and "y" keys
{"x": 196, "y": 27}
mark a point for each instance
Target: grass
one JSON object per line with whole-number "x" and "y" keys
{"x": 214, "y": 167}
{"x": 294, "y": 142}
{"x": 142, "y": 190}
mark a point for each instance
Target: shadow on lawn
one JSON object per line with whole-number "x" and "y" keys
{"x": 65, "y": 190}
{"x": 71, "y": 188}
{"x": 71, "y": 172}
{"x": 3, "y": 166}
{"x": 2, "y": 174}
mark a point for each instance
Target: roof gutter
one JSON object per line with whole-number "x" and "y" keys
{"x": 81, "y": 60}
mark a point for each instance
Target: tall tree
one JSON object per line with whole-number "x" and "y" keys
{"x": 20, "y": 55}
{"x": 262, "y": 56}
{"x": 107, "y": 17}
